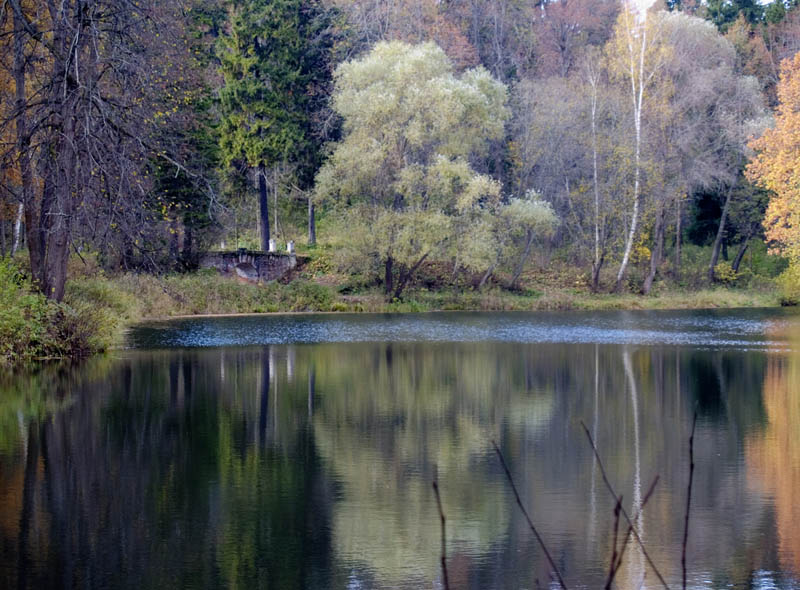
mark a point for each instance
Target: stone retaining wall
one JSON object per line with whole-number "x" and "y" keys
{"x": 252, "y": 265}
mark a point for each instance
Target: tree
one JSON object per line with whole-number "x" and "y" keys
{"x": 527, "y": 219}
{"x": 564, "y": 27}
{"x": 704, "y": 110}
{"x": 274, "y": 63}
{"x": 775, "y": 166}
{"x": 400, "y": 176}
{"x": 724, "y": 12}
{"x": 571, "y": 142}
{"x": 90, "y": 90}
{"x": 411, "y": 21}
{"x": 637, "y": 55}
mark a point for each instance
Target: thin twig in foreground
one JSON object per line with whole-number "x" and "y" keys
{"x": 444, "y": 544}
{"x": 624, "y": 513}
{"x": 636, "y": 517}
{"x": 612, "y": 566}
{"x": 688, "y": 501}
{"x": 528, "y": 518}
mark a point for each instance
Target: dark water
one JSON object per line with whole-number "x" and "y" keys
{"x": 299, "y": 451}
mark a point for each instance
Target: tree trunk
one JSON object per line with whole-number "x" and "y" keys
{"x": 27, "y": 206}
{"x": 523, "y": 259}
{"x": 263, "y": 208}
{"x": 678, "y": 238}
{"x": 187, "y": 256}
{"x": 57, "y": 251}
{"x": 655, "y": 255}
{"x": 407, "y": 276}
{"x": 312, "y": 223}
{"x": 637, "y": 93}
{"x": 275, "y": 176}
{"x": 596, "y": 267}
{"x": 18, "y": 230}
{"x": 720, "y": 234}
{"x": 59, "y": 202}
{"x": 597, "y": 263}
{"x": 174, "y": 250}
{"x": 2, "y": 238}
{"x": 388, "y": 275}
{"x": 742, "y": 249}
{"x": 488, "y": 274}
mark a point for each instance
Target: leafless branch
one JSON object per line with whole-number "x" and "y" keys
{"x": 688, "y": 501}
{"x": 444, "y": 541}
{"x": 624, "y": 512}
{"x": 527, "y": 517}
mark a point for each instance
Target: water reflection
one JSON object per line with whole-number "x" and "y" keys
{"x": 773, "y": 456}
{"x": 310, "y": 466}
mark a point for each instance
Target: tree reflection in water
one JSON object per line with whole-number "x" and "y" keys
{"x": 309, "y": 466}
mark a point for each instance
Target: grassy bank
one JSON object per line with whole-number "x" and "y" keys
{"x": 206, "y": 293}
{"x": 97, "y": 308}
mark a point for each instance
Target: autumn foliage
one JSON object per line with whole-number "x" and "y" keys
{"x": 776, "y": 168}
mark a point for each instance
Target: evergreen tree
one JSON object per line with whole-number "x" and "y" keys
{"x": 274, "y": 61}
{"x": 724, "y": 12}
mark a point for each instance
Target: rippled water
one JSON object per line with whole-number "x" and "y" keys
{"x": 744, "y": 328}
{"x": 299, "y": 452}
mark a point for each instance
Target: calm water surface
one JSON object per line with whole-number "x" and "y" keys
{"x": 299, "y": 451}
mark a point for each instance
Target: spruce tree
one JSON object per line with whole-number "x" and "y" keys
{"x": 724, "y": 12}
{"x": 274, "y": 61}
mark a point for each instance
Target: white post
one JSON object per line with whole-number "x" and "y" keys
{"x": 290, "y": 247}
{"x": 272, "y": 245}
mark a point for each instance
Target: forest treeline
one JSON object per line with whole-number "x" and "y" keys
{"x": 468, "y": 136}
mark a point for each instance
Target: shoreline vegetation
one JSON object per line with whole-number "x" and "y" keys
{"x": 98, "y": 308}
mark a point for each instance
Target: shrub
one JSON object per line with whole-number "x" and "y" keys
{"x": 24, "y": 317}
{"x": 90, "y": 319}
{"x": 310, "y": 296}
{"x": 724, "y": 273}
{"x": 789, "y": 283}
{"x": 95, "y": 312}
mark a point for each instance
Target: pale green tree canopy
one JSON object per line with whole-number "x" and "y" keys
{"x": 402, "y": 172}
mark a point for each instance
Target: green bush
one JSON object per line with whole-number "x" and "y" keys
{"x": 310, "y": 296}
{"x": 25, "y": 317}
{"x": 789, "y": 283}
{"x": 90, "y": 319}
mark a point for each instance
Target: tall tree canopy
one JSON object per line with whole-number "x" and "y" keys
{"x": 274, "y": 60}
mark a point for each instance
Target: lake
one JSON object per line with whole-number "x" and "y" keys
{"x": 299, "y": 451}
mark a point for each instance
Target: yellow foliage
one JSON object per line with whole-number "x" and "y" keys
{"x": 776, "y": 169}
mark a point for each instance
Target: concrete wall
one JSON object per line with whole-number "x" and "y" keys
{"x": 251, "y": 265}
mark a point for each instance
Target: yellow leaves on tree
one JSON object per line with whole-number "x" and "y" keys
{"x": 777, "y": 165}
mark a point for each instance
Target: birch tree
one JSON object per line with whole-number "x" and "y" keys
{"x": 637, "y": 56}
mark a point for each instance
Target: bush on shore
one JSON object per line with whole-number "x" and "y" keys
{"x": 33, "y": 328}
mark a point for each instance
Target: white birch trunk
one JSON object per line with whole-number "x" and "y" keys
{"x": 637, "y": 95}
{"x": 17, "y": 230}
